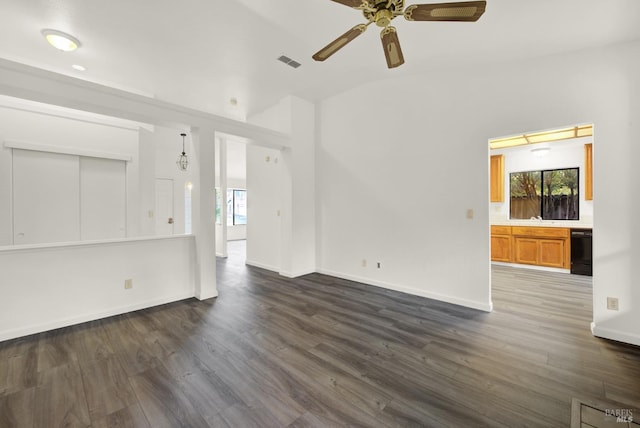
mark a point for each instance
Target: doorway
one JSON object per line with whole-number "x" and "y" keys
{"x": 540, "y": 193}
{"x": 231, "y": 200}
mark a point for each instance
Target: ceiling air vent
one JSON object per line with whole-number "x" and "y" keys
{"x": 289, "y": 61}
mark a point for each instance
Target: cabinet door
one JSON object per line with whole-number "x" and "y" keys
{"x": 588, "y": 172}
{"x": 496, "y": 178}
{"x": 552, "y": 253}
{"x": 501, "y": 248}
{"x": 526, "y": 251}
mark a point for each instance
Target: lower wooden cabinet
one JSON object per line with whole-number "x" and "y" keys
{"x": 552, "y": 253}
{"x": 541, "y": 246}
{"x": 526, "y": 251}
{"x": 501, "y": 248}
{"x": 540, "y": 252}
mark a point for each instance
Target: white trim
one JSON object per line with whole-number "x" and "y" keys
{"x": 532, "y": 267}
{"x": 297, "y": 274}
{"x": 620, "y": 336}
{"x": 25, "y": 145}
{"x": 38, "y": 328}
{"x": 482, "y": 306}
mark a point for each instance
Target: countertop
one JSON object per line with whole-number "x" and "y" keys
{"x": 578, "y": 224}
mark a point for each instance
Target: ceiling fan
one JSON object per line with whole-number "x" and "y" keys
{"x": 383, "y": 11}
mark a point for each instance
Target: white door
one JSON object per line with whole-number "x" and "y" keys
{"x": 46, "y": 195}
{"x": 164, "y": 206}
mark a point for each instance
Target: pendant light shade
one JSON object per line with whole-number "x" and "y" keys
{"x": 183, "y": 160}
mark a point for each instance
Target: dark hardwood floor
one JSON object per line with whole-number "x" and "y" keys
{"x": 320, "y": 351}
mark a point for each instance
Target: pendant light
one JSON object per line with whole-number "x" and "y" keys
{"x": 183, "y": 161}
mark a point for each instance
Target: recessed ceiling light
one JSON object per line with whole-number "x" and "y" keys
{"x": 59, "y": 40}
{"x": 78, "y": 67}
{"x": 540, "y": 151}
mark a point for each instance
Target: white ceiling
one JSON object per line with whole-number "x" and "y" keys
{"x": 201, "y": 53}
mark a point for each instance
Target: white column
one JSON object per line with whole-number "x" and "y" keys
{"x": 298, "y": 193}
{"x": 204, "y": 211}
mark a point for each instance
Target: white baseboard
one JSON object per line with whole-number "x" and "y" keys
{"x": 620, "y": 336}
{"x": 482, "y": 306}
{"x": 39, "y": 328}
{"x": 297, "y": 274}
{"x": 262, "y": 265}
{"x": 532, "y": 267}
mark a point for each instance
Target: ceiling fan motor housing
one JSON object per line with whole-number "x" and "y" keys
{"x": 382, "y": 11}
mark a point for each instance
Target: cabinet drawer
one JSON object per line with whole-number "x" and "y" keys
{"x": 501, "y": 230}
{"x": 540, "y": 232}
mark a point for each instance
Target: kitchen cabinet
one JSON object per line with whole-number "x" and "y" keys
{"x": 588, "y": 172}
{"x": 531, "y": 245}
{"x": 501, "y": 244}
{"x": 497, "y": 178}
{"x": 542, "y": 246}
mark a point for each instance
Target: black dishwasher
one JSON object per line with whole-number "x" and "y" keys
{"x": 581, "y": 257}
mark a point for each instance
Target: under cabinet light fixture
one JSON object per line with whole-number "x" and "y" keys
{"x": 542, "y": 137}
{"x": 59, "y": 40}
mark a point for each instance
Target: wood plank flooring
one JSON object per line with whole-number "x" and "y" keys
{"x": 318, "y": 351}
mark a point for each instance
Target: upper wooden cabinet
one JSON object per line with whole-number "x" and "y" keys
{"x": 588, "y": 172}
{"x": 497, "y": 178}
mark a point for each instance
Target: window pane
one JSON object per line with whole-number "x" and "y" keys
{"x": 218, "y": 206}
{"x": 560, "y": 194}
{"x": 229, "y": 206}
{"x": 240, "y": 207}
{"x": 525, "y": 195}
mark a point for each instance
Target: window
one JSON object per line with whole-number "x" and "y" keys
{"x": 236, "y": 206}
{"x": 547, "y": 195}
{"x": 239, "y": 207}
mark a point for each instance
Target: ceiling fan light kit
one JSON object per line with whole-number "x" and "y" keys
{"x": 382, "y": 12}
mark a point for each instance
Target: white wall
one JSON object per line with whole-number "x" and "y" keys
{"x": 147, "y": 185}
{"x": 263, "y": 207}
{"x": 563, "y": 154}
{"x": 400, "y": 161}
{"x": 83, "y": 282}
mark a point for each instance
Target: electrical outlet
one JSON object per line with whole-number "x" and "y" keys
{"x": 364, "y": 262}
{"x": 379, "y": 266}
{"x": 128, "y": 284}
{"x": 612, "y": 303}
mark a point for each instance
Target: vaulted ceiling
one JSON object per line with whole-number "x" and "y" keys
{"x": 202, "y": 53}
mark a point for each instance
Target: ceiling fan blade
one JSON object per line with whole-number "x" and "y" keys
{"x": 338, "y": 43}
{"x": 391, "y": 46}
{"x": 353, "y": 3}
{"x": 467, "y": 11}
